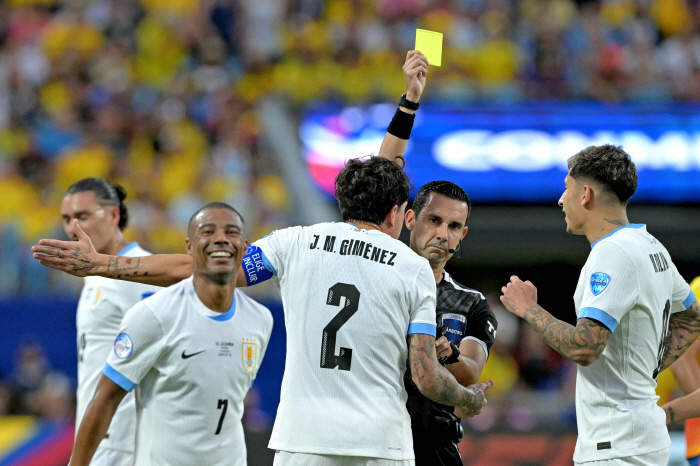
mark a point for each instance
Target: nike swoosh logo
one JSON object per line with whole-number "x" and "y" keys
{"x": 185, "y": 356}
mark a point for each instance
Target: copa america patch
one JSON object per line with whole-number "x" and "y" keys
{"x": 599, "y": 282}
{"x": 123, "y": 346}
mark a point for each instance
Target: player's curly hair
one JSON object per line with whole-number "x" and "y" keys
{"x": 609, "y": 166}
{"x": 107, "y": 194}
{"x": 368, "y": 189}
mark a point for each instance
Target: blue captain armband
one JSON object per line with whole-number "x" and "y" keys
{"x": 256, "y": 266}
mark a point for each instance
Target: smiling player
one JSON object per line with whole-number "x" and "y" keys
{"x": 193, "y": 351}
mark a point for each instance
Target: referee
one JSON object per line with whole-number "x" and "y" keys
{"x": 466, "y": 324}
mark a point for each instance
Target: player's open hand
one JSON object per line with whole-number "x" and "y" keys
{"x": 414, "y": 71}
{"x": 477, "y": 402}
{"x": 77, "y": 258}
{"x": 519, "y": 296}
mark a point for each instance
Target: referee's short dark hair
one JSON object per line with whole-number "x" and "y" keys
{"x": 367, "y": 189}
{"x": 609, "y": 166}
{"x": 446, "y": 188}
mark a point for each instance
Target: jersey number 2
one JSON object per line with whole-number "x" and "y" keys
{"x": 329, "y": 360}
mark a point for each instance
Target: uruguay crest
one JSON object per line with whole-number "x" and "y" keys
{"x": 249, "y": 353}
{"x": 599, "y": 282}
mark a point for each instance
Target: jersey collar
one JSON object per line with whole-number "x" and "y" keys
{"x": 631, "y": 225}
{"x": 228, "y": 315}
{"x": 128, "y": 248}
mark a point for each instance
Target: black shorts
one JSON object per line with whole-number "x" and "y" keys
{"x": 438, "y": 445}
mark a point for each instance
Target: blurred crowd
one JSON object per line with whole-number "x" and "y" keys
{"x": 161, "y": 95}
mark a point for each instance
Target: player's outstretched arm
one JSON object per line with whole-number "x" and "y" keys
{"x": 80, "y": 258}
{"x": 98, "y": 416}
{"x": 415, "y": 70}
{"x": 436, "y": 382}
{"x": 684, "y": 408}
{"x": 687, "y": 370}
{"x": 582, "y": 344}
{"x": 683, "y": 330}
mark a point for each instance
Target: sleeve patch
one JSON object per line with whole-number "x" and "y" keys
{"x": 599, "y": 282}
{"x": 256, "y": 266}
{"x": 123, "y": 346}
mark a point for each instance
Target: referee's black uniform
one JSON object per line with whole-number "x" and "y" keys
{"x": 436, "y": 431}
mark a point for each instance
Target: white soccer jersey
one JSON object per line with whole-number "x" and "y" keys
{"x": 350, "y": 298}
{"x": 630, "y": 285}
{"x": 103, "y": 303}
{"x": 193, "y": 367}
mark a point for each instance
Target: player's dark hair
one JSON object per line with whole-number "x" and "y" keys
{"x": 609, "y": 166}
{"x": 107, "y": 194}
{"x": 213, "y": 205}
{"x": 367, "y": 189}
{"x": 446, "y": 188}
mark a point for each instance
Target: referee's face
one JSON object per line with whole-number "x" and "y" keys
{"x": 438, "y": 228}
{"x": 217, "y": 244}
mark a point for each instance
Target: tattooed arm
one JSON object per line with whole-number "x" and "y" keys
{"x": 80, "y": 258}
{"x": 683, "y": 330}
{"x": 436, "y": 382}
{"x": 582, "y": 344}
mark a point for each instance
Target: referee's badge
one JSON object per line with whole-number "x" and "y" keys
{"x": 599, "y": 282}
{"x": 249, "y": 353}
{"x": 123, "y": 346}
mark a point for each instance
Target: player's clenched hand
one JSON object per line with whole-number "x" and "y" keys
{"x": 414, "y": 71}
{"x": 519, "y": 296}
{"x": 442, "y": 348}
{"x": 476, "y": 402}
{"x": 78, "y": 258}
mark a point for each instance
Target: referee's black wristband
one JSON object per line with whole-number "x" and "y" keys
{"x": 401, "y": 125}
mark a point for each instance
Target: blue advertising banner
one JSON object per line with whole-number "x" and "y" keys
{"x": 515, "y": 153}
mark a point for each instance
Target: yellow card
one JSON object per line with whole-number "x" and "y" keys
{"x": 430, "y": 43}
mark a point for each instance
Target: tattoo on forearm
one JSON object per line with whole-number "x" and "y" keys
{"x": 446, "y": 389}
{"x": 581, "y": 343}
{"x": 616, "y": 222}
{"x": 683, "y": 330}
{"x": 671, "y": 413}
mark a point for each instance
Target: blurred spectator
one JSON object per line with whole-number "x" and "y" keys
{"x": 37, "y": 389}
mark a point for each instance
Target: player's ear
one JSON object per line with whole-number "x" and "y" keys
{"x": 188, "y": 245}
{"x": 114, "y": 215}
{"x": 586, "y": 195}
{"x": 410, "y": 219}
{"x": 391, "y": 219}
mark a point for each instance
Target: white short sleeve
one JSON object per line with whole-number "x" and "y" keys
{"x": 136, "y": 349}
{"x": 275, "y": 248}
{"x": 611, "y": 286}
{"x": 423, "y": 302}
{"x": 683, "y": 296}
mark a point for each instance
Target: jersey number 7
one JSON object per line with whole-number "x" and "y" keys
{"x": 329, "y": 360}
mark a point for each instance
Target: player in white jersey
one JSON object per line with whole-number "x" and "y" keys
{"x": 99, "y": 208}
{"x": 193, "y": 350}
{"x": 636, "y": 316}
{"x": 394, "y": 295}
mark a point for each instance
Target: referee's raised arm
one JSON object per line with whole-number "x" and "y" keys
{"x": 415, "y": 70}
